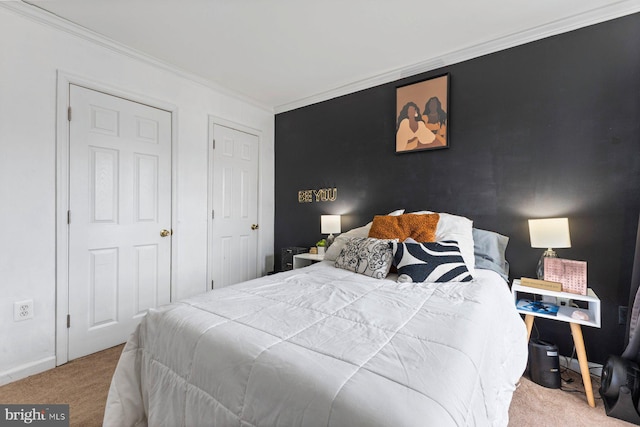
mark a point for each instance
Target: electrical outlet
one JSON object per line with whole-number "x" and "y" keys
{"x": 23, "y": 310}
{"x": 622, "y": 314}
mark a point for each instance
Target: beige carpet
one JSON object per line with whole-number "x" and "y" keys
{"x": 535, "y": 406}
{"x": 83, "y": 384}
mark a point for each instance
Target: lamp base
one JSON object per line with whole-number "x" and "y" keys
{"x": 330, "y": 240}
{"x": 549, "y": 253}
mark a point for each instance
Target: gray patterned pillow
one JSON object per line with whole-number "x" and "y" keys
{"x": 365, "y": 255}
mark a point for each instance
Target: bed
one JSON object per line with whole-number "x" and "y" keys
{"x": 327, "y": 345}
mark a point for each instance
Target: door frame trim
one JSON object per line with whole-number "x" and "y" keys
{"x": 211, "y": 122}
{"x": 64, "y": 80}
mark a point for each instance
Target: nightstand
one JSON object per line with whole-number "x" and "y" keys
{"x": 592, "y": 303}
{"x": 303, "y": 260}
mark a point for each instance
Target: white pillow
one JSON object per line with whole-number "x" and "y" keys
{"x": 334, "y": 250}
{"x": 460, "y": 229}
{"x": 396, "y": 212}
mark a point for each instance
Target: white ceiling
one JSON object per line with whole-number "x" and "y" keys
{"x": 287, "y": 53}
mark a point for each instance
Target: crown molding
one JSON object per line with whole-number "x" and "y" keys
{"x": 595, "y": 16}
{"x": 605, "y": 13}
{"x": 44, "y": 17}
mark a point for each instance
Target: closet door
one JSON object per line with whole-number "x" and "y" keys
{"x": 119, "y": 217}
{"x": 233, "y": 243}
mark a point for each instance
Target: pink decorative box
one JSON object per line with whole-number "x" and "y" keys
{"x": 572, "y": 274}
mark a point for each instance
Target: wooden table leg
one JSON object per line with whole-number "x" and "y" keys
{"x": 578, "y": 340}
{"x": 528, "y": 320}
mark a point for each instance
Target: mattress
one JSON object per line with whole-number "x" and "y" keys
{"x": 321, "y": 346}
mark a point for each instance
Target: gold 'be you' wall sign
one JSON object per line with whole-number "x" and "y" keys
{"x": 319, "y": 195}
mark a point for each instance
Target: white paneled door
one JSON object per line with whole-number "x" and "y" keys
{"x": 234, "y": 217}
{"x": 119, "y": 217}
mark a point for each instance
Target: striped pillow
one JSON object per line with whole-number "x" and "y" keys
{"x": 430, "y": 262}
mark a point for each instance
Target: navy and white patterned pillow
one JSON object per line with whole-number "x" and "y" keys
{"x": 365, "y": 255}
{"x": 430, "y": 262}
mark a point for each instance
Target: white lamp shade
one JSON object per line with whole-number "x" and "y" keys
{"x": 330, "y": 224}
{"x": 549, "y": 233}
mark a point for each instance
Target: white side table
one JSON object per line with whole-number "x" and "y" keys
{"x": 564, "y": 315}
{"x": 303, "y": 260}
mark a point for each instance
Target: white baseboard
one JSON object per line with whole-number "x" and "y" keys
{"x": 26, "y": 370}
{"x": 572, "y": 363}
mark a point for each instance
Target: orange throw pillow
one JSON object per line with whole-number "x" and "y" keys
{"x": 420, "y": 227}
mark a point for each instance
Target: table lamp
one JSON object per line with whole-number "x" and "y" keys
{"x": 330, "y": 224}
{"x": 548, "y": 233}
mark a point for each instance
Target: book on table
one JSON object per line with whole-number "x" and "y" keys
{"x": 541, "y": 284}
{"x": 539, "y": 307}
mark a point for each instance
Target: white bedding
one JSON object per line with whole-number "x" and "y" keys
{"x": 320, "y": 346}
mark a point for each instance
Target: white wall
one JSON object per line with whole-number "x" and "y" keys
{"x": 31, "y": 53}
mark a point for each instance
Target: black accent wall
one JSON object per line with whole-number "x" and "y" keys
{"x": 546, "y": 129}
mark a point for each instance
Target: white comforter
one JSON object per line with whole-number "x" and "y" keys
{"x": 321, "y": 346}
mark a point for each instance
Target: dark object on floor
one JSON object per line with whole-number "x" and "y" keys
{"x": 544, "y": 363}
{"x": 620, "y": 386}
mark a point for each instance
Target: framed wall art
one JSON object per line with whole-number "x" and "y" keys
{"x": 422, "y": 119}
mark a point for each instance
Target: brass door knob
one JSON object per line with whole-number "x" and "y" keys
{"x": 165, "y": 233}
{"x": 254, "y": 226}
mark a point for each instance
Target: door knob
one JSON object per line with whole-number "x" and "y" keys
{"x": 165, "y": 233}
{"x": 254, "y": 226}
